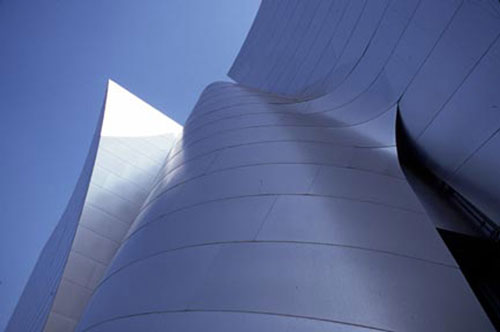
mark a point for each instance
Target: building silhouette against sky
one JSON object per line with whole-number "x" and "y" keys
{"x": 347, "y": 181}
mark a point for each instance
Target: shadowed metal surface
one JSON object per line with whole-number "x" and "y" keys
{"x": 34, "y": 306}
{"x": 268, "y": 208}
{"x": 439, "y": 59}
{"x": 135, "y": 140}
{"x": 284, "y": 204}
{"x": 129, "y": 147}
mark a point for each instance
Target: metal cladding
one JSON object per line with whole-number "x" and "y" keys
{"x": 134, "y": 142}
{"x": 439, "y": 60}
{"x": 283, "y": 207}
{"x": 33, "y": 307}
{"x": 130, "y": 144}
{"x": 268, "y": 216}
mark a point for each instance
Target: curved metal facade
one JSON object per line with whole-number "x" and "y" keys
{"x": 134, "y": 142}
{"x": 129, "y": 146}
{"x": 439, "y": 60}
{"x": 283, "y": 207}
{"x": 270, "y": 216}
{"x": 34, "y": 305}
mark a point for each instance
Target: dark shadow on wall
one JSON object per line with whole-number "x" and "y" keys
{"x": 479, "y": 260}
{"x": 472, "y": 238}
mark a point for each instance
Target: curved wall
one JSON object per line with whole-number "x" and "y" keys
{"x": 131, "y": 142}
{"x": 268, "y": 216}
{"x": 440, "y": 60}
{"x": 134, "y": 142}
{"x": 283, "y": 206}
{"x": 34, "y": 305}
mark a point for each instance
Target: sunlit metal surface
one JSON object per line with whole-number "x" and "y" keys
{"x": 135, "y": 140}
{"x": 285, "y": 198}
{"x": 34, "y": 306}
{"x": 283, "y": 206}
{"x": 129, "y": 150}
{"x": 439, "y": 59}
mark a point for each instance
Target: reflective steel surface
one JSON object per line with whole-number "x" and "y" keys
{"x": 284, "y": 198}
{"x": 283, "y": 206}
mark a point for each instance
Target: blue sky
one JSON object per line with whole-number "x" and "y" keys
{"x": 55, "y": 59}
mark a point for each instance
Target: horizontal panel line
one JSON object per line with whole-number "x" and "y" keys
{"x": 256, "y": 242}
{"x": 204, "y": 154}
{"x": 223, "y": 132}
{"x": 253, "y": 312}
{"x": 240, "y": 96}
{"x": 111, "y": 171}
{"x": 111, "y": 192}
{"x": 127, "y": 162}
{"x": 108, "y": 213}
{"x": 228, "y": 169}
{"x": 237, "y": 105}
{"x": 129, "y": 145}
{"x": 158, "y": 218}
{"x": 75, "y": 283}
{"x": 189, "y": 131}
{"x": 93, "y": 258}
{"x": 96, "y": 232}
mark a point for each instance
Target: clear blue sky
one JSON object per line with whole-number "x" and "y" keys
{"x": 55, "y": 59}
